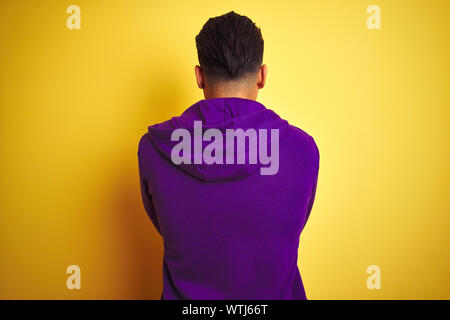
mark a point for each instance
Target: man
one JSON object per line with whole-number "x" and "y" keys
{"x": 229, "y": 185}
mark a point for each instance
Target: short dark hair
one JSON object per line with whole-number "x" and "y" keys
{"x": 229, "y": 47}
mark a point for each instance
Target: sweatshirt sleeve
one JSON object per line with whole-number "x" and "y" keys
{"x": 314, "y": 184}
{"x": 146, "y": 196}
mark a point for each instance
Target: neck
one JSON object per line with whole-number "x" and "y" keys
{"x": 225, "y": 91}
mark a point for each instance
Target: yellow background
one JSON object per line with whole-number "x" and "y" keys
{"x": 74, "y": 103}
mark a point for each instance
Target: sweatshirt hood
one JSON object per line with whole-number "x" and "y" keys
{"x": 222, "y": 114}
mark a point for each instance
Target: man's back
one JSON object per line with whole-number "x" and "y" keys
{"x": 229, "y": 231}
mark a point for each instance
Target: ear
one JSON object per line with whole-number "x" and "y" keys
{"x": 262, "y": 75}
{"x": 200, "y": 77}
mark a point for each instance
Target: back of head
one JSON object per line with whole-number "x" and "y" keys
{"x": 230, "y": 47}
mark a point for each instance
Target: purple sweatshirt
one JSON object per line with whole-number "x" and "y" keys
{"x": 229, "y": 231}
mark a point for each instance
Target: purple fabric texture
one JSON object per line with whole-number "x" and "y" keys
{"x": 228, "y": 231}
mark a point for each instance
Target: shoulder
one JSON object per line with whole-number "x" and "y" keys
{"x": 143, "y": 142}
{"x": 305, "y": 142}
{"x": 144, "y": 146}
{"x": 304, "y": 138}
